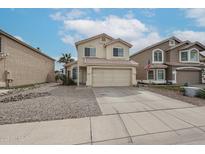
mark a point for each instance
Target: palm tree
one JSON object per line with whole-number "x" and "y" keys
{"x": 65, "y": 58}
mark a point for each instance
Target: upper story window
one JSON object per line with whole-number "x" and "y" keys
{"x": 171, "y": 42}
{"x": 157, "y": 56}
{"x": 90, "y": 52}
{"x": 189, "y": 55}
{"x": 118, "y": 52}
{"x": 194, "y": 55}
{"x": 184, "y": 56}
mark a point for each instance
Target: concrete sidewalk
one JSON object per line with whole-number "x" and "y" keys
{"x": 130, "y": 116}
{"x": 177, "y": 126}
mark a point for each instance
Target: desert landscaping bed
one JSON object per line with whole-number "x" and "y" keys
{"x": 48, "y": 102}
{"x": 174, "y": 92}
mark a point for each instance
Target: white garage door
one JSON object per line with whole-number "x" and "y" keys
{"x": 111, "y": 77}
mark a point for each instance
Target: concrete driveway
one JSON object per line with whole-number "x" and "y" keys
{"x": 130, "y": 100}
{"x": 130, "y": 116}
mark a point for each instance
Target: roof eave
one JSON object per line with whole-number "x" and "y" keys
{"x": 158, "y": 43}
{"x": 92, "y": 38}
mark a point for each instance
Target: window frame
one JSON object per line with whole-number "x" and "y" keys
{"x": 197, "y": 54}
{"x": 153, "y": 75}
{"x": 90, "y": 51}
{"x": 185, "y": 51}
{"x": 118, "y": 52}
{"x": 189, "y": 56}
{"x": 76, "y": 71}
{"x": 153, "y": 56}
{"x": 157, "y": 71}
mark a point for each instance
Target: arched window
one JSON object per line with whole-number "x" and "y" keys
{"x": 157, "y": 56}
{"x": 191, "y": 55}
{"x": 194, "y": 56}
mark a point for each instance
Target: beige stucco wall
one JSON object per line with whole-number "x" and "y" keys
{"x": 25, "y": 65}
{"x": 97, "y": 43}
{"x": 101, "y": 51}
{"x": 109, "y": 51}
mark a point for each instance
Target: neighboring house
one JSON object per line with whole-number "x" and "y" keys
{"x": 170, "y": 60}
{"x": 21, "y": 64}
{"x": 103, "y": 61}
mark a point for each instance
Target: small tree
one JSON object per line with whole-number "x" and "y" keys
{"x": 65, "y": 58}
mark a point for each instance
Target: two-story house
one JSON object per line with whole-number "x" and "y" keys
{"x": 171, "y": 60}
{"x": 103, "y": 61}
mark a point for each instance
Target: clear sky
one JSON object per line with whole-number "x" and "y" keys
{"x": 56, "y": 30}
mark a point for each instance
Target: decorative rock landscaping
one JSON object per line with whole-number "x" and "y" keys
{"x": 48, "y": 102}
{"x": 21, "y": 97}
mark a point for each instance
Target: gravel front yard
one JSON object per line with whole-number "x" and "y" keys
{"x": 48, "y": 102}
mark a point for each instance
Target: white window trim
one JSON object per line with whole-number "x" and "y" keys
{"x": 157, "y": 62}
{"x": 118, "y": 56}
{"x": 189, "y": 56}
{"x": 175, "y": 76}
{"x": 182, "y": 68}
{"x": 163, "y": 75}
{"x": 91, "y": 48}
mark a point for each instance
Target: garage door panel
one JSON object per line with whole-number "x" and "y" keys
{"x": 111, "y": 77}
{"x": 191, "y": 77}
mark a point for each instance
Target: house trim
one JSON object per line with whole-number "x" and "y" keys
{"x": 157, "y": 62}
{"x": 156, "y": 44}
{"x": 155, "y": 80}
{"x": 118, "y": 56}
{"x": 183, "y": 68}
{"x": 163, "y": 74}
{"x": 90, "y": 56}
{"x": 189, "y": 56}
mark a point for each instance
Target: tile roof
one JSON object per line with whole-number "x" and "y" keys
{"x": 158, "y": 66}
{"x": 93, "y": 37}
{"x": 202, "y": 53}
{"x": 184, "y": 64}
{"x": 192, "y": 44}
{"x": 158, "y": 43}
{"x": 178, "y": 45}
{"x": 103, "y": 61}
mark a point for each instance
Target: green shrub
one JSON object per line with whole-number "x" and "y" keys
{"x": 70, "y": 82}
{"x": 57, "y": 77}
{"x": 186, "y": 84}
{"x": 201, "y": 93}
{"x": 182, "y": 90}
{"x": 66, "y": 80}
